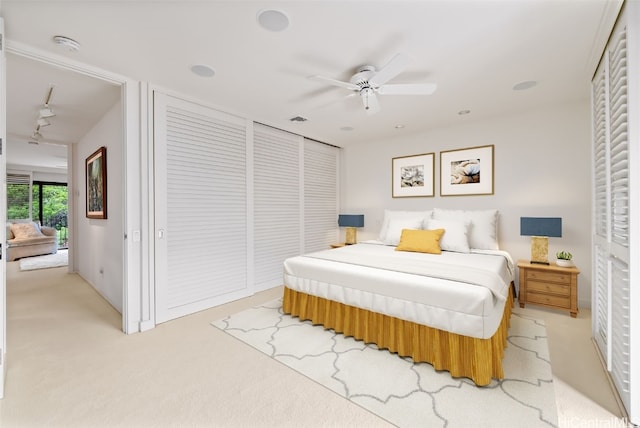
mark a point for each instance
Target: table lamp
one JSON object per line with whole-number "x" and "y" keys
{"x": 540, "y": 229}
{"x": 351, "y": 221}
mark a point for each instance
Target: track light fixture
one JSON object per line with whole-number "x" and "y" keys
{"x": 43, "y": 114}
{"x": 46, "y": 112}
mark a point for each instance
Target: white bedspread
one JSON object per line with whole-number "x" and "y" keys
{"x": 399, "y": 284}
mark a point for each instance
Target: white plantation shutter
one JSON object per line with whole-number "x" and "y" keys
{"x": 321, "y": 196}
{"x": 600, "y": 301}
{"x": 277, "y": 202}
{"x": 201, "y": 207}
{"x": 600, "y": 132}
{"x": 613, "y": 169}
{"x": 620, "y": 323}
{"x": 618, "y": 142}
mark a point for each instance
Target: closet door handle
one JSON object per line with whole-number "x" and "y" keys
{"x": 160, "y": 233}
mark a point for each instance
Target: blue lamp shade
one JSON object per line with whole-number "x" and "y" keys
{"x": 351, "y": 220}
{"x": 541, "y": 226}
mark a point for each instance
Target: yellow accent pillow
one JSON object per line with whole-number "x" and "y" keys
{"x": 420, "y": 241}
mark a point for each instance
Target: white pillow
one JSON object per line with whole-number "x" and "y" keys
{"x": 396, "y": 225}
{"x": 455, "y": 234}
{"x": 483, "y": 226}
{"x": 392, "y": 215}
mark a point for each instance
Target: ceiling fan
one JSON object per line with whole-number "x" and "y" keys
{"x": 369, "y": 82}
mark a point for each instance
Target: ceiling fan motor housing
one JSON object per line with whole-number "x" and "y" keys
{"x": 361, "y": 78}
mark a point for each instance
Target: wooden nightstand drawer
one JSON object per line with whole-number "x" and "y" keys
{"x": 564, "y": 278}
{"x": 547, "y": 299}
{"x": 548, "y": 285}
{"x": 548, "y": 288}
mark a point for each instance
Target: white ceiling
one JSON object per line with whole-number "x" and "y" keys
{"x": 476, "y": 51}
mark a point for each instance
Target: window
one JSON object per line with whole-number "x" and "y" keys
{"x": 18, "y": 201}
{"x": 50, "y": 208}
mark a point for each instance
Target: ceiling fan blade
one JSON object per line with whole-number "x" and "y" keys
{"x": 408, "y": 89}
{"x": 370, "y": 101}
{"x": 397, "y": 64}
{"x": 335, "y": 82}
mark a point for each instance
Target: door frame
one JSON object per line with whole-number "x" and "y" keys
{"x": 134, "y": 264}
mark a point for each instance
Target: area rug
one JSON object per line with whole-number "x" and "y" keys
{"x": 402, "y": 392}
{"x": 47, "y": 261}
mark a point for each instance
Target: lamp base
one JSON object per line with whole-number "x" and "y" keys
{"x": 540, "y": 250}
{"x": 350, "y": 239}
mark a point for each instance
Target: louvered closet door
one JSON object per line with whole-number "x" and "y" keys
{"x": 321, "y": 196}
{"x": 277, "y": 203}
{"x": 201, "y": 207}
{"x": 611, "y": 296}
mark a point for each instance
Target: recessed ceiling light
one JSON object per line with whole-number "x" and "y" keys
{"x": 273, "y": 20}
{"x": 67, "y": 43}
{"x": 463, "y": 112}
{"x": 298, "y": 119}
{"x": 202, "y": 70}
{"x": 527, "y": 84}
{"x": 346, "y": 128}
{"x": 399, "y": 126}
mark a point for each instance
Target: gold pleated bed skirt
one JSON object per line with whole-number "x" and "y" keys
{"x": 463, "y": 356}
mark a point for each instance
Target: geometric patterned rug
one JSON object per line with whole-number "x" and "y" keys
{"x": 395, "y": 388}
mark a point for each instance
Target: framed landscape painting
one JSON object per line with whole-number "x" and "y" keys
{"x": 467, "y": 171}
{"x": 412, "y": 176}
{"x": 96, "y": 182}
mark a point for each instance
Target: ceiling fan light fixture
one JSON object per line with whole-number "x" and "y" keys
{"x": 67, "y": 43}
{"x": 273, "y": 20}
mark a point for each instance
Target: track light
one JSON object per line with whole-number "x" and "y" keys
{"x": 46, "y": 112}
{"x": 43, "y": 122}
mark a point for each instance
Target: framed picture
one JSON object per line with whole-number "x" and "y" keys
{"x": 96, "y": 181}
{"x": 413, "y": 176}
{"x": 467, "y": 171}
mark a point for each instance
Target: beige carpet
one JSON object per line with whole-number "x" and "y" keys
{"x": 69, "y": 365}
{"x": 400, "y": 391}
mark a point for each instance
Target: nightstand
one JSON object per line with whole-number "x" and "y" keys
{"x": 341, "y": 244}
{"x": 549, "y": 285}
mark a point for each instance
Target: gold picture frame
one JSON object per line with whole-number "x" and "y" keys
{"x": 413, "y": 176}
{"x": 467, "y": 171}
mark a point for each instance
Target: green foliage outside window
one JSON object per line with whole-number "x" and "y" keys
{"x": 18, "y": 201}
{"x": 54, "y": 206}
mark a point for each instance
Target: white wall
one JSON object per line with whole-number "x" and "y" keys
{"x": 49, "y": 176}
{"x": 542, "y": 168}
{"x": 98, "y": 244}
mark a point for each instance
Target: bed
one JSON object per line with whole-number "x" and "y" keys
{"x": 449, "y": 307}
